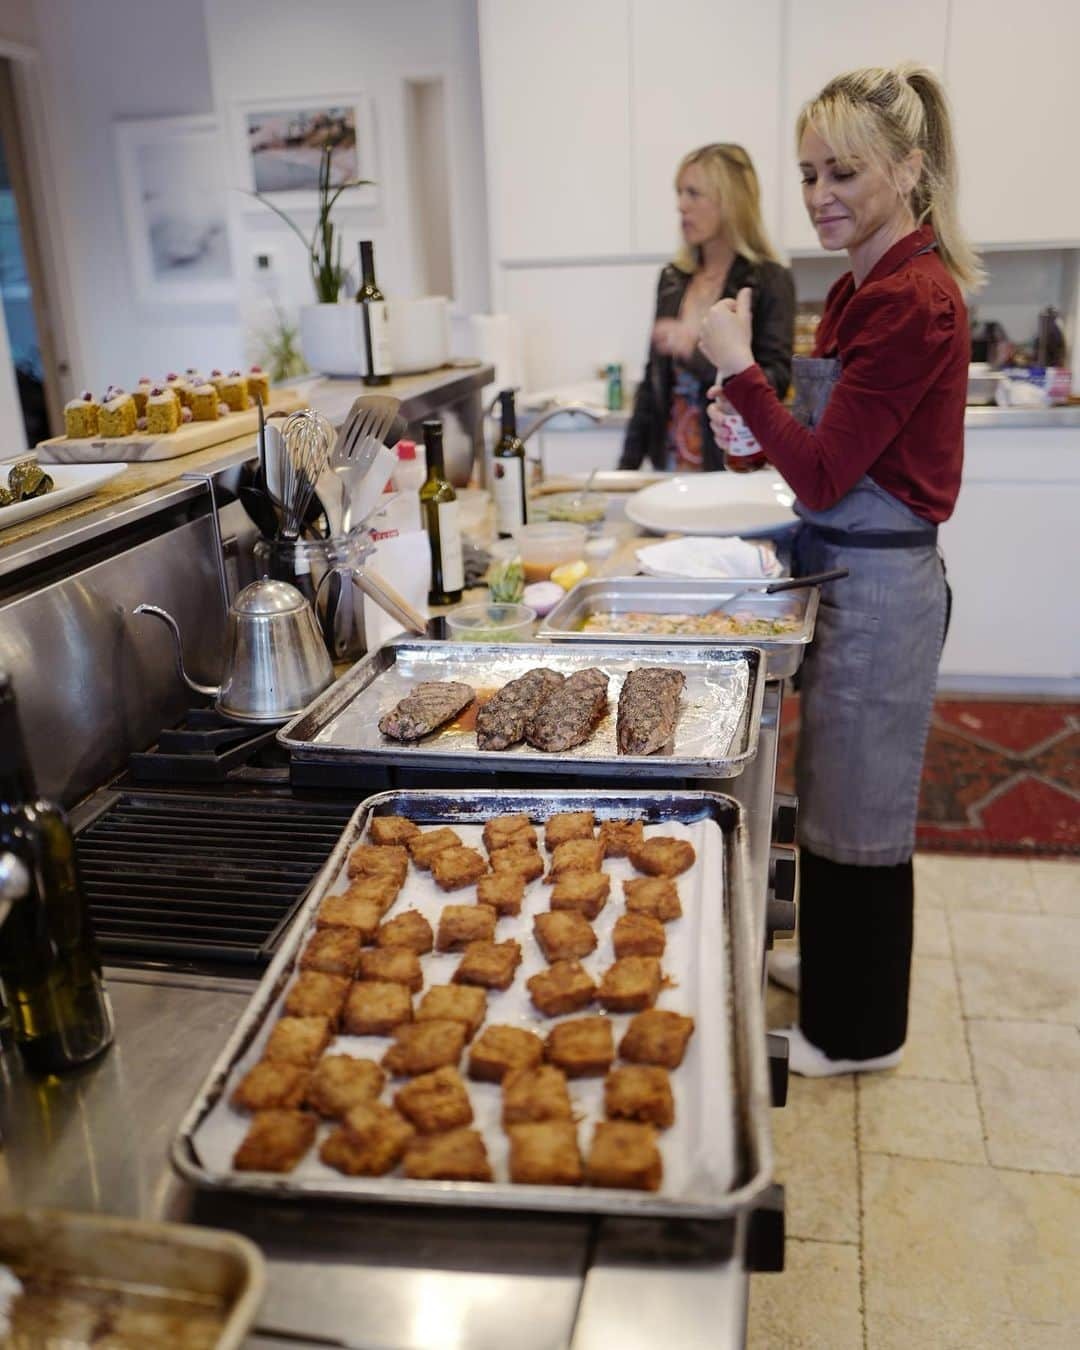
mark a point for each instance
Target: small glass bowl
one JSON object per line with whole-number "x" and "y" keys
{"x": 545, "y": 546}
{"x": 493, "y": 622}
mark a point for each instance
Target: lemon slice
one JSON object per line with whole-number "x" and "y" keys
{"x": 569, "y": 574}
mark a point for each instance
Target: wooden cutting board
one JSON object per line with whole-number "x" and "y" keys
{"x": 184, "y": 441}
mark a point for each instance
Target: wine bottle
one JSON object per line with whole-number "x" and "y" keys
{"x": 439, "y": 507}
{"x": 373, "y": 319}
{"x": 508, "y": 471}
{"x": 49, "y": 966}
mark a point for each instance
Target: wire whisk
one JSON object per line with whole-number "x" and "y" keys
{"x": 307, "y": 437}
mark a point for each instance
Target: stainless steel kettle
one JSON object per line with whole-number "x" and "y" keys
{"x": 275, "y": 661}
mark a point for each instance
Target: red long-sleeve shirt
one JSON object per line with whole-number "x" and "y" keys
{"x": 897, "y": 412}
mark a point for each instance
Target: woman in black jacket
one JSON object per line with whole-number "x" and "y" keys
{"x": 725, "y": 247}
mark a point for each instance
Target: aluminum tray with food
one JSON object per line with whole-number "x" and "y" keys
{"x": 658, "y": 611}
{"x": 716, "y": 717}
{"x": 495, "y": 1083}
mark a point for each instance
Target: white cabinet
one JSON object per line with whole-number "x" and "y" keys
{"x": 703, "y": 70}
{"x": 556, "y": 92}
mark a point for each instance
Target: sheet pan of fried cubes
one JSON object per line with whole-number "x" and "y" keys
{"x": 516, "y": 1000}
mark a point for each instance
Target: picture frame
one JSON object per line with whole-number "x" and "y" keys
{"x": 174, "y": 201}
{"x": 277, "y": 144}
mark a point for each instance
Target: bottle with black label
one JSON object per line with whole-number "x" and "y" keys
{"x": 439, "y": 508}
{"x": 508, "y": 471}
{"x": 49, "y": 965}
{"x": 374, "y": 324}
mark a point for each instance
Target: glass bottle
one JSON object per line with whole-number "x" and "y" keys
{"x": 374, "y": 322}
{"x": 440, "y": 509}
{"x": 508, "y": 471}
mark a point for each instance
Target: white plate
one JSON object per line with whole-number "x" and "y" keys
{"x": 72, "y": 482}
{"x": 749, "y": 504}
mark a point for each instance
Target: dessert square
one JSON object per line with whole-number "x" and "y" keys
{"x": 392, "y": 829}
{"x": 396, "y": 965}
{"x": 348, "y": 911}
{"x": 334, "y": 951}
{"x": 426, "y": 846}
{"x": 564, "y": 934}
{"x": 233, "y": 390}
{"x": 490, "y": 964}
{"x": 498, "y": 1050}
{"x": 620, "y": 836}
{"x": 566, "y": 986}
{"x": 375, "y": 1008}
{"x": 502, "y": 831}
{"x": 455, "y": 1002}
{"x": 545, "y": 1153}
{"x": 271, "y": 1083}
{"x": 162, "y": 412}
{"x": 462, "y": 924}
{"x": 567, "y": 825}
{"x": 276, "y": 1141}
{"x": 117, "y": 416}
{"x": 520, "y": 859}
{"x": 435, "y": 1101}
{"x": 657, "y": 896}
{"x": 317, "y": 995}
{"x": 631, "y": 984}
{"x": 587, "y": 892}
{"x": 535, "y": 1094}
{"x": 503, "y": 891}
{"x": 258, "y": 383}
{"x": 581, "y": 1047}
{"x": 298, "y": 1040}
{"x": 657, "y": 1037}
{"x": 638, "y": 935}
{"x": 453, "y": 868}
{"x": 420, "y": 1047}
{"x": 81, "y": 416}
{"x": 576, "y": 855}
{"x": 372, "y": 860}
{"x": 663, "y": 856}
{"x": 640, "y": 1092}
{"x": 625, "y": 1155}
{"x": 409, "y": 930}
{"x": 458, "y": 1155}
{"x": 204, "y": 403}
{"x": 371, "y": 1141}
{"x": 340, "y": 1082}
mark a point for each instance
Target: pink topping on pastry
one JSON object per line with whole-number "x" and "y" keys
{"x": 234, "y": 374}
{"x": 172, "y": 375}
{"x": 157, "y": 391}
{"x": 87, "y": 396}
{"x": 141, "y": 424}
{"x": 215, "y": 371}
{"x": 186, "y": 414}
{"x": 256, "y": 370}
{"x": 223, "y": 409}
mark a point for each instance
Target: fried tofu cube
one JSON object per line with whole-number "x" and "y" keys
{"x": 372, "y": 1140}
{"x": 435, "y": 1101}
{"x": 656, "y": 896}
{"x": 420, "y": 1047}
{"x": 587, "y": 892}
{"x": 298, "y": 1040}
{"x": 349, "y": 911}
{"x": 334, "y": 951}
{"x": 503, "y": 891}
{"x": 457, "y": 1155}
{"x": 631, "y": 984}
{"x": 582, "y": 1047}
{"x": 490, "y": 964}
{"x": 409, "y": 930}
{"x": 625, "y": 1155}
{"x": 456, "y": 1003}
{"x": 638, "y": 935}
{"x": 502, "y": 831}
{"x": 657, "y": 1037}
{"x": 522, "y": 859}
{"x": 317, "y": 995}
{"x": 276, "y": 1141}
{"x": 535, "y": 1094}
{"x": 376, "y": 1007}
{"x": 453, "y": 868}
{"x": 564, "y": 934}
{"x": 461, "y": 924}
{"x": 377, "y": 860}
{"x": 392, "y": 829}
{"x": 576, "y": 855}
{"x": 271, "y": 1083}
{"x": 341, "y": 1082}
{"x": 395, "y": 965}
{"x": 567, "y": 825}
{"x": 663, "y": 856}
{"x": 426, "y": 846}
{"x": 566, "y": 986}
{"x": 545, "y": 1153}
{"x": 640, "y": 1092}
{"x": 620, "y": 836}
{"x": 382, "y": 890}
{"x": 498, "y": 1050}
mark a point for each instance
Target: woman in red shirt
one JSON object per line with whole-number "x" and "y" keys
{"x": 874, "y": 453}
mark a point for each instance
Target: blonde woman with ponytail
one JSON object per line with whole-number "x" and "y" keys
{"x": 873, "y": 451}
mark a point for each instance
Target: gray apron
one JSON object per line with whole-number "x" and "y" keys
{"x": 867, "y": 683}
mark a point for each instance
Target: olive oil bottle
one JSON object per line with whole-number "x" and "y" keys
{"x": 439, "y": 509}
{"x": 375, "y": 330}
{"x": 49, "y": 966}
{"x": 508, "y": 471}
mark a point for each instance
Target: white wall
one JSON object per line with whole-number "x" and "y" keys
{"x": 17, "y": 23}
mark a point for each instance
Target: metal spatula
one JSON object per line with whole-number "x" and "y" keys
{"x": 787, "y": 584}
{"x": 356, "y": 446}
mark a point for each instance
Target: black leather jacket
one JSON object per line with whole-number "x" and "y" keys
{"x": 773, "y": 336}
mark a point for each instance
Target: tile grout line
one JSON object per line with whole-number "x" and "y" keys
{"x": 983, "y": 1127}
{"x": 862, "y": 1224}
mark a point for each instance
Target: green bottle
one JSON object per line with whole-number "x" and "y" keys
{"x": 439, "y": 508}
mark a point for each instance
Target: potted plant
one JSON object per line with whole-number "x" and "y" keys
{"x": 329, "y": 335}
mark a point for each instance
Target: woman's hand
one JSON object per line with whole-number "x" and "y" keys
{"x": 672, "y": 337}
{"x": 726, "y": 333}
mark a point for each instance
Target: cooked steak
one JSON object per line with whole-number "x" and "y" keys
{"x": 648, "y": 709}
{"x": 571, "y": 714}
{"x": 501, "y": 721}
{"x": 428, "y": 706}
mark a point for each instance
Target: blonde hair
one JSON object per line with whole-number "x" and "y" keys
{"x": 731, "y": 180}
{"x": 879, "y": 116}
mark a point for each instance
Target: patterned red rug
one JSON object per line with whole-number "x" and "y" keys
{"x": 1001, "y": 776}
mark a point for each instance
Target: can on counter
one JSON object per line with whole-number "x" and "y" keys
{"x": 614, "y": 386}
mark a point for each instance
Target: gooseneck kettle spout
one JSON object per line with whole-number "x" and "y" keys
{"x": 210, "y": 690}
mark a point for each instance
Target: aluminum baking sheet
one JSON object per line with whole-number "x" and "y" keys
{"x": 654, "y": 595}
{"x": 717, "y": 1156}
{"x": 715, "y": 737}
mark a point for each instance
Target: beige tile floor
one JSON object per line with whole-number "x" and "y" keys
{"x": 937, "y": 1207}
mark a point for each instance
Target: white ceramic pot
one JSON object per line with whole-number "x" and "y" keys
{"x": 330, "y": 338}
{"x": 419, "y": 333}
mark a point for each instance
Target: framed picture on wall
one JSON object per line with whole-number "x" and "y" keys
{"x": 278, "y": 145}
{"x": 173, "y": 195}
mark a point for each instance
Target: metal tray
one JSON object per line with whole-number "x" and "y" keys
{"x": 716, "y": 736}
{"x": 621, "y": 595}
{"x": 737, "y": 1019}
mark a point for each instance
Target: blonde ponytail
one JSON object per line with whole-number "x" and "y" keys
{"x": 879, "y": 116}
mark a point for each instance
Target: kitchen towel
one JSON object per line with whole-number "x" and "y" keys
{"x": 703, "y": 557}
